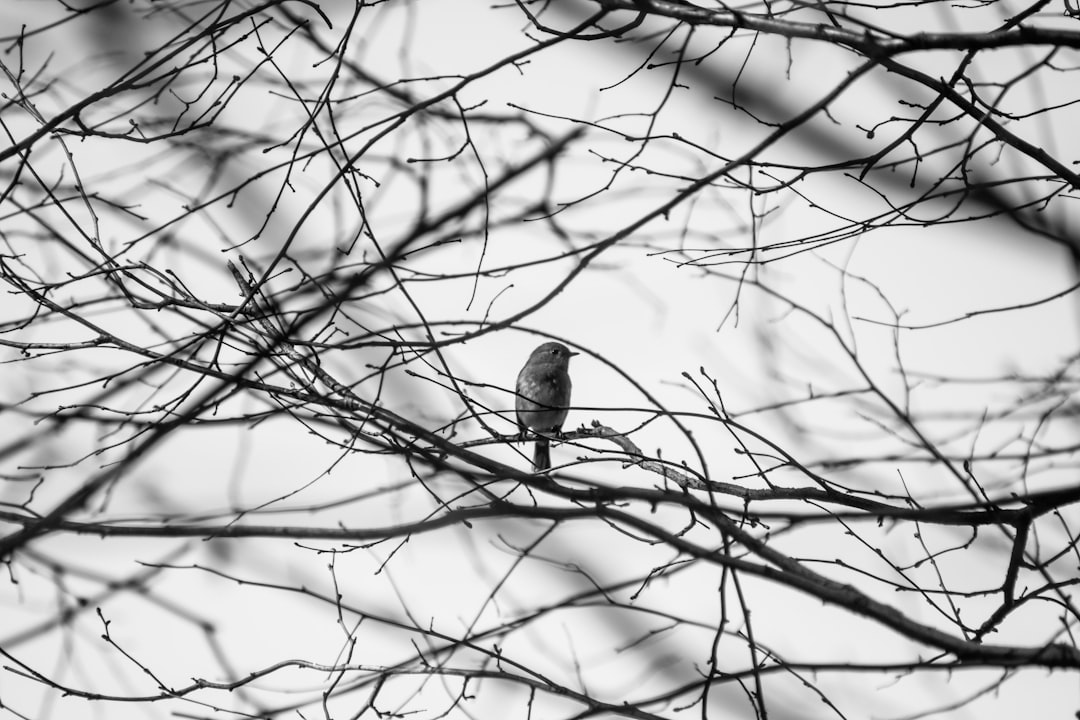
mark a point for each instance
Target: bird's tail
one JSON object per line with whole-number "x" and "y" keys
{"x": 542, "y": 455}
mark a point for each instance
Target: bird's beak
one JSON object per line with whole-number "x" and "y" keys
{"x": 572, "y": 353}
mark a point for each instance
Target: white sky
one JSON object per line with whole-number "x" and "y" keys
{"x": 651, "y": 317}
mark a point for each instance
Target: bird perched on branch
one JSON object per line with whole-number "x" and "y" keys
{"x": 543, "y": 397}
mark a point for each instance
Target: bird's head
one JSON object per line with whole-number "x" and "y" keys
{"x": 552, "y": 353}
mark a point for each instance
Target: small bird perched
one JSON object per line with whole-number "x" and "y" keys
{"x": 543, "y": 396}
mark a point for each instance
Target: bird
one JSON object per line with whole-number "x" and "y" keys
{"x": 543, "y": 397}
